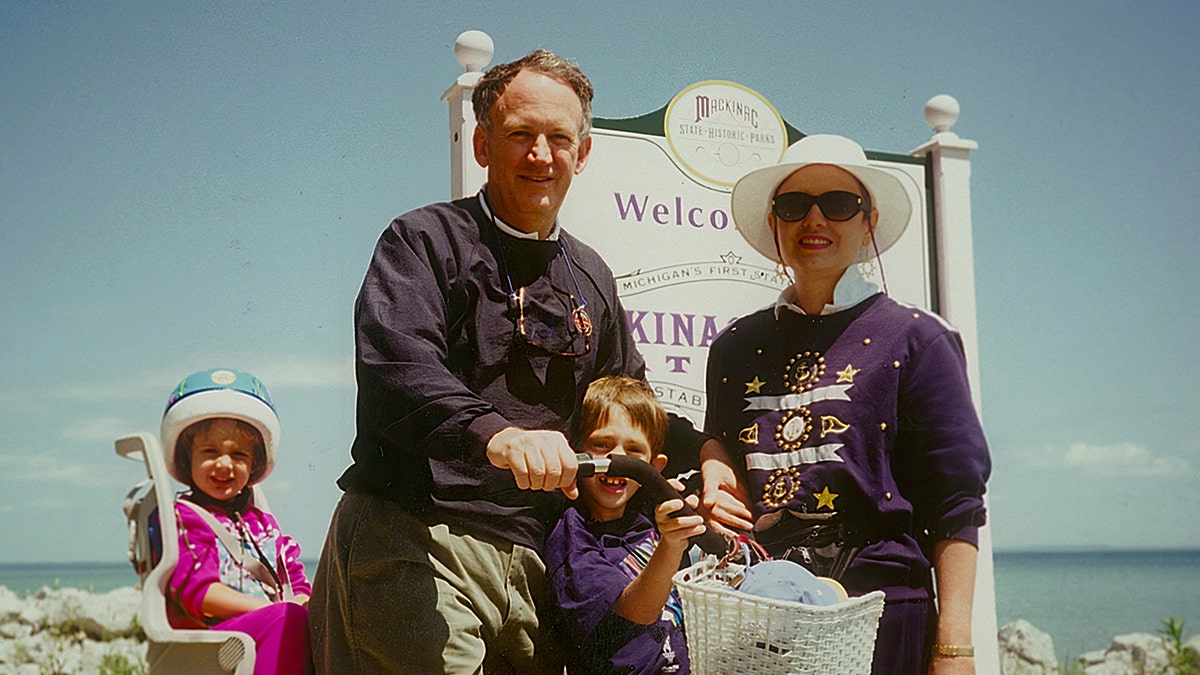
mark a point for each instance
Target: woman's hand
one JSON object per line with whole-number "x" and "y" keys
{"x": 724, "y": 502}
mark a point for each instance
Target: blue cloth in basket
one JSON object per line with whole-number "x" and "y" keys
{"x": 789, "y": 581}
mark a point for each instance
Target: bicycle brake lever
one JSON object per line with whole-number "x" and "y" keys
{"x": 590, "y": 466}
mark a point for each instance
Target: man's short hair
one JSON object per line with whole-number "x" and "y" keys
{"x": 635, "y": 397}
{"x": 491, "y": 86}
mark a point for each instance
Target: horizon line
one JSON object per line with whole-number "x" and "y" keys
{"x": 1062, "y": 548}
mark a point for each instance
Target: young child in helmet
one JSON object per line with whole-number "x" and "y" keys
{"x": 609, "y": 561}
{"x": 237, "y": 570}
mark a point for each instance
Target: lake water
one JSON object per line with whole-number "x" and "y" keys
{"x": 1081, "y": 598}
{"x": 1085, "y": 598}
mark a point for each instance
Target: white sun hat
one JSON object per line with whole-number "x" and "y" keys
{"x": 752, "y": 195}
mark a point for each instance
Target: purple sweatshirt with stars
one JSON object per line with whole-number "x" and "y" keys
{"x": 866, "y": 413}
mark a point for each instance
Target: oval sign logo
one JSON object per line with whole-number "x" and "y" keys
{"x": 719, "y": 131}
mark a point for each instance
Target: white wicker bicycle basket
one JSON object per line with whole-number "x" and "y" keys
{"x": 732, "y": 632}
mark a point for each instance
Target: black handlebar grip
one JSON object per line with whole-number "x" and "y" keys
{"x": 659, "y": 491}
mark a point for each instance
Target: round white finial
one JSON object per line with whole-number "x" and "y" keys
{"x": 474, "y": 50}
{"x": 941, "y": 112}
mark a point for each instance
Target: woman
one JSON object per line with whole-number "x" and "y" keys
{"x": 850, "y": 412}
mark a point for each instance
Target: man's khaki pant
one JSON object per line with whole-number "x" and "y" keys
{"x": 393, "y": 595}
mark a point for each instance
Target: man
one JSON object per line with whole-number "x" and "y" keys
{"x": 479, "y": 325}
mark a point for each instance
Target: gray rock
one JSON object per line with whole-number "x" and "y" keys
{"x": 15, "y": 629}
{"x": 113, "y": 614}
{"x": 1128, "y": 655}
{"x": 60, "y": 607}
{"x": 32, "y": 612}
{"x": 69, "y": 631}
{"x": 1025, "y": 650}
{"x": 10, "y": 605}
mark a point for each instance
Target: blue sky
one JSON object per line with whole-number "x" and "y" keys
{"x": 186, "y": 185}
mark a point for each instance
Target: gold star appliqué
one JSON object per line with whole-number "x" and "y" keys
{"x": 754, "y": 386}
{"x": 847, "y": 374}
{"x": 825, "y": 498}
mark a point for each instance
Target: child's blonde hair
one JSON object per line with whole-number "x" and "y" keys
{"x": 635, "y": 397}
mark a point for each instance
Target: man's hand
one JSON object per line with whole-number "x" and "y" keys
{"x": 538, "y": 459}
{"x": 724, "y": 502}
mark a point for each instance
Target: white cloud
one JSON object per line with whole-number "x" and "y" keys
{"x": 277, "y": 370}
{"x": 27, "y": 470}
{"x": 54, "y": 503}
{"x": 1117, "y": 459}
{"x": 308, "y": 373}
{"x": 98, "y": 429}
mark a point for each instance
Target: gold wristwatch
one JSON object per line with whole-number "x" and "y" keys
{"x": 954, "y": 650}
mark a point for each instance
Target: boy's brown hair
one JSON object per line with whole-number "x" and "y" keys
{"x": 635, "y": 397}
{"x": 250, "y": 435}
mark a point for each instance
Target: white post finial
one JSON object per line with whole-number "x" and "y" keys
{"x": 941, "y": 112}
{"x": 474, "y": 50}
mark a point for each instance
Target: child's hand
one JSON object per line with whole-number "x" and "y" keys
{"x": 674, "y": 533}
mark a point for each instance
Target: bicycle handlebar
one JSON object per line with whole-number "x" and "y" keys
{"x": 657, "y": 487}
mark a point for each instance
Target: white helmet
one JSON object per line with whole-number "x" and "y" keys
{"x": 220, "y": 392}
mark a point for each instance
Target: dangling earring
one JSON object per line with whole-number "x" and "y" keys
{"x": 782, "y": 270}
{"x": 867, "y": 267}
{"x": 882, "y": 275}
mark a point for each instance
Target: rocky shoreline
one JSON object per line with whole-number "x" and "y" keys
{"x": 1026, "y": 650}
{"x": 67, "y": 630}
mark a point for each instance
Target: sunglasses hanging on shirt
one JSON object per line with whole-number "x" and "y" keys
{"x": 538, "y": 325}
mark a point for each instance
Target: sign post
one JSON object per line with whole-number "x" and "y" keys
{"x": 950, "y": 175}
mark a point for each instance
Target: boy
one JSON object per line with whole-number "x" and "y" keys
{"x": 610, "y": 569}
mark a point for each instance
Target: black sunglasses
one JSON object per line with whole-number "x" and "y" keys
{"x": 539, "y": 325}
{"x": 535, "y": 331}
{"x": 836, "y": 205}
